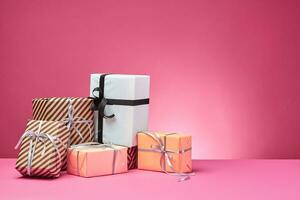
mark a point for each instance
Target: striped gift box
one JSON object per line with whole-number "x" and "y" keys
{"x": 74, "y": 112}
{"x": 59, "y": 109}
{"x": 43, "y": 149}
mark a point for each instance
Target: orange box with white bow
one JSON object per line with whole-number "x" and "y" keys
{"x": 167, "y": 152}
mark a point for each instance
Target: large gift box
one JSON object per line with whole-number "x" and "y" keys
{"x": 74, "y": 112}
{"x": 94, "y": 159}
{"x": 121, "y": 105}
{"x": 43, "y": 149}
{"x": 167, "y": 152}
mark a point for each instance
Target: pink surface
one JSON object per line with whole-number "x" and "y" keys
{"x": 225, "y": 71}
{"x": 215, "y": 179}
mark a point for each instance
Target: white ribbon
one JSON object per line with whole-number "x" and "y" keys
{"x": 71, "y": 121}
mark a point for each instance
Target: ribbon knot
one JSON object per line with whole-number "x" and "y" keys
{"x": 71, "y": 121}
{"x": 99, "y": 103}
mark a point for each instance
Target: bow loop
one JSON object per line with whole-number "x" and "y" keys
{"x": 100, "y": 93}
{"x": 99, "y": 104}
{"x": 96, "y": 98}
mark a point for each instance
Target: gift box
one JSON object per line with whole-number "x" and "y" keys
{"x": 74, "y": 112}
{"x": 43, "y": 149}
{"x": 94, "y": 159}
{"x": 121, "y": 104}
{"x": 167, "y": 152}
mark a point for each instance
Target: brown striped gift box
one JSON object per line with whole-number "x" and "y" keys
{"x": 75, "y": 112}
{"x": 43, "y": 149}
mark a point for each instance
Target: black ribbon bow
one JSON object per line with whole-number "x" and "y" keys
{"x": 99, "y": 104}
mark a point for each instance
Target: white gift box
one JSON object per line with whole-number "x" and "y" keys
{"x": 129, "y": 96}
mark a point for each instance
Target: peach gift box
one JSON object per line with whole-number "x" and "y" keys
{"x": 168, "y": 152}
{"x": 94, "y": 159}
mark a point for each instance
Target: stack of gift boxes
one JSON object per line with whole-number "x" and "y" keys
{"x": 103, "y": 134}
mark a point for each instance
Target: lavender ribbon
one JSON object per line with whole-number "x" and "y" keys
{"x": 71, "y": 121}
{"x": 36, "y": 137}
{"x": 166, "y": 157}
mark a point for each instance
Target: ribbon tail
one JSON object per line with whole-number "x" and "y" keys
{"x": 184, "y": 178}
{"x": 78, "y": 132}
{"x": 19, "y": 143}
{"x": 28, "y": 133}
{"x": 101, "y": 108}
{"x": 53, "y": 141}
{"x": 181, "y": 176}
{"x": 30, "y": 156}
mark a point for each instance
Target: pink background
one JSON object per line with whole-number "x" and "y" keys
{"x": 225, "y": 71}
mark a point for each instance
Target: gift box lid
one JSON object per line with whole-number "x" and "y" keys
{"x": 61, "y": 99}
{"x": 172, "y": 141}
{"x": 122, "y": 86}
{"x": 96, "y": 147}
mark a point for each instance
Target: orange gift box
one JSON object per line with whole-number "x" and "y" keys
{"x": 94, "y": 159}
{"x": 167, "y": 152}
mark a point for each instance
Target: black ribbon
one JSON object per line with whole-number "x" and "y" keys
{"x": 99, "y": 105}
{"x": 100, "y": 102}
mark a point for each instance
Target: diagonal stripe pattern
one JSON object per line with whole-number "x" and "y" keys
{"x": 56, "y": 109}
{"x": 45, "y": 161}
{"x": 132, "y": 157}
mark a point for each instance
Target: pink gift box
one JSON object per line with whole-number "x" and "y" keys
{"x": 93, "y": 159}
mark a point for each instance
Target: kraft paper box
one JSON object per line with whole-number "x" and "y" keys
{"x": 75, "y": 112}
{"x": 124, "y": 100}
{"x": 43, "y": 149}
{"x": 157, "y": 149}
{"x": 92, "y": 159}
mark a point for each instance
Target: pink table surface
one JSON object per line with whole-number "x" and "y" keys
{"x": 215, "y": 179}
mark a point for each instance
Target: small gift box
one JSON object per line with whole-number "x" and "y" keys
{"x": 75, "y": 112}
{"x": 43, "y": 149}
{"x": 121, "y": 104}
{"x": 94, "y": 159}
{"x": 167, "y": 152}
